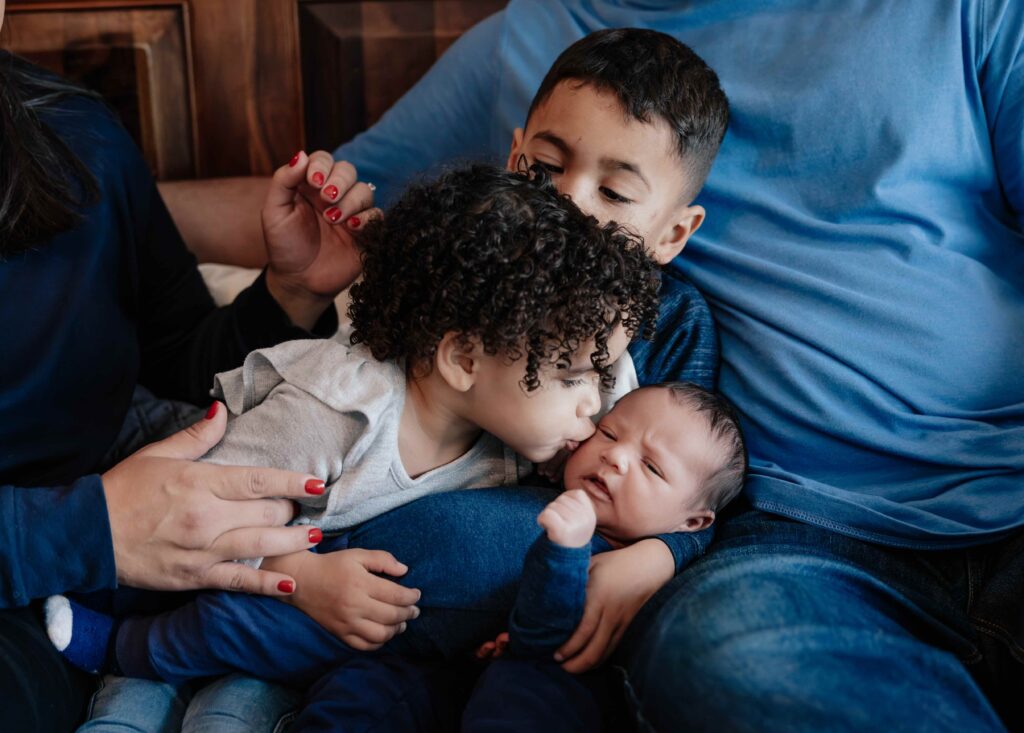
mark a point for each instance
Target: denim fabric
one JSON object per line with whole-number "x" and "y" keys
{"x": 784, "y": 626}
{"x": 123, "y": 703}
{"x": 238, "y": 704}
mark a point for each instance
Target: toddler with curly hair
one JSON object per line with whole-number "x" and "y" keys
{"x": 489, "y": 313}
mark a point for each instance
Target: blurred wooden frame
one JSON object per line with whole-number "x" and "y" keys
{"x": 212, "y": 88}
{"x": 216, "y": 84}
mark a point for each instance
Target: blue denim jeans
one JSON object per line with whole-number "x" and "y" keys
{"x": 784, "y": 626}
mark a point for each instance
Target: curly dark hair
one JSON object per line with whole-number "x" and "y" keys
{"x": 504, "y": 258}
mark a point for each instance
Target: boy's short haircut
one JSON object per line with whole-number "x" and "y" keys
{"x": 653, "y": 75}
{"x": 504, "y": 258}
{"x": 725, "y": 481}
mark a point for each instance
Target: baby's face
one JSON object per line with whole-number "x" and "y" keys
{"x": 643, "y": 467}
{"x": 613, "y": 167}
{"x": 556, "y": 415}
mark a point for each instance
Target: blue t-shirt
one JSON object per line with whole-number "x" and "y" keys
{"x": 863, "y": 253}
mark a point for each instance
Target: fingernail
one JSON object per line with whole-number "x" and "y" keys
{"x": 331, "y": 192}
{"x": 402, "y": 627}
{"x": 353, "y": 221}
{"x": 559, "y": 657}
{"x": 286, "y": 586}
{"x": 318, "y": 179}
{"x": 212, "y": 412}
{"x": 417, "y": 611}
{"x": 333, "y": 214}
{"x": 316, "y": 535}
{"x": 315, "y": 486}
{"x": 295, "y": 160}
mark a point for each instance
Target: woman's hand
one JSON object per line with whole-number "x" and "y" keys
{"x": 179, "y": 525}
{"x": 340, "y": 592}
{"x": 621, "y": 582}
{"x": 311, "y": 206}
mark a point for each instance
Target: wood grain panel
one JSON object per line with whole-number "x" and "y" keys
{"x": 136, "y": 57}
{"x": 360, "y": 56}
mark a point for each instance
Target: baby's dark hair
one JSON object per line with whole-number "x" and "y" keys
{"x": 653, "y": 75}
{"x": 504, "y": 258}
{"x": 725, "y": 479}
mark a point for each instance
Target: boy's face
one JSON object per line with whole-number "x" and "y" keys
{"x": 614, "y": 167}
{"x": 555, "y": 415}
{"x": 643, "y": 467}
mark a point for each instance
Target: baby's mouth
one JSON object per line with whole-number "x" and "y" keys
{"x": 599, "y": 487}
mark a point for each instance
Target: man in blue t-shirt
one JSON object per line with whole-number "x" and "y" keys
{"x": 864, "y": 261}
{"x": 865, "y": 264}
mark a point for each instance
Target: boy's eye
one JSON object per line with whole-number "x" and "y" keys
{"x": 613, "y": 196}
{"x": 551, "y": 167}
{"x": 653, "y": 469}
{"x": 573, "y": 382}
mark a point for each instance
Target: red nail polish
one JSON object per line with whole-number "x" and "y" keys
{"x": 318, "y": 179}
{"x": 315, "y": 535}
{"x": 212, "y": 411}
{"x": 333, "y": 214}
{"x": 286, "y": 586}
{"x": 331, "y": 192}
{"x": 295, "y": 160}
{"x": 315, "y": 486}
{"x": 353, "y": 221}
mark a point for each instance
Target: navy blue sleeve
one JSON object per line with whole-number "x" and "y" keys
{"x": 551, "y": 598}
{"x": 685, "y": 344}
{"x": 184, "y": 338}
{"x": 687, "y": 546}
{"x": 53, "y": 540}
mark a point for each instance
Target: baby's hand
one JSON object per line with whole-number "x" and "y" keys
{"x": 569, "y": 520}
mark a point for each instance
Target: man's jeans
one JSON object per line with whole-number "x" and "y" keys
{"x": 783, "y": 626}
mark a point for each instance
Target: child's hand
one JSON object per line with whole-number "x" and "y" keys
{"x": 621, "y": 582}
{"x": 306, "y": 222}
{"x": 493, "y": 649}
{"x": 569, "y": 520}
{"x": 340, "y": 592}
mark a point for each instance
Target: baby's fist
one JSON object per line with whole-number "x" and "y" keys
{"x": 569, "y": 520}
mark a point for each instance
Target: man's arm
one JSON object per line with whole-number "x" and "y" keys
{"x": 219, "y": 218}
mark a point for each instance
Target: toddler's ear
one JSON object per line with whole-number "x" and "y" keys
{"x": 687, "y": 222}
{"x": 456, "y": 361}
{"x": 697, "y": 521}
{"x": 512, "y": 163}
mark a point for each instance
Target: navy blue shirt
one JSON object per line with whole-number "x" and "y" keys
{"x": 114, "y": 302}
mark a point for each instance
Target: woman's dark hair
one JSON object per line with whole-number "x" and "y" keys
{"x": 653, "y": 76}
{"x": 504, "y": 258}
{"x": 43, "y": 184}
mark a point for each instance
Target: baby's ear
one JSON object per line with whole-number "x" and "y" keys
{"x": 697, "y": 521}
{"x": 457, "y": 361}
{"x": 687, "y": 222}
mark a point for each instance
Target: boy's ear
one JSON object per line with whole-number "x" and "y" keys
{"x": 687, "y": 221}
{"x": 697, "y": 521}
{"x": 513, "y": 154}
{"x": 456, "y": 361}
